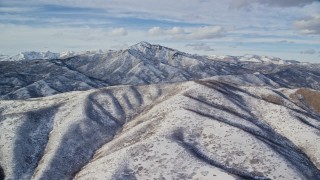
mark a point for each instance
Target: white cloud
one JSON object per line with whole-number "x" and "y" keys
{"x": 157, "y": 31}
{"x": 119, "y": 32}
{"x": 268, "y": 22}
{"x": 287, "y": 3}
{"x": 16, "y": 9}
{"x": 238, "y": 4}
{"x": 200, "y": 47}
{"x": 175, "y": 30}
{"x": 309, "y": 25}
{"x": 309, "y": 51}
{"x": 19, "y": 38}
{"x": 200, "y": 33}
{"x": 207, "y": 32}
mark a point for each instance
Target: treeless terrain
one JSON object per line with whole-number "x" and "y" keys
{"x": 311, "y": 98}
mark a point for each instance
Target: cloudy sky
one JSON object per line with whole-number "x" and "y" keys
{"x": 289, "y": 29}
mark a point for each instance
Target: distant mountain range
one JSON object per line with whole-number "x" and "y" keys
{"x": 255, "y": 58}
{"x": 47, "y": 55}
{"x": 142, "y": 63}
{"x": 32, "y": 55}
{"x": 152, "y": 112}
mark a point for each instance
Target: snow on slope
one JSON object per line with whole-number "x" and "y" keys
{"x": 205, "y": 129}
{"x": 26, "y": 79}
{"x": 145, "y": 48}
{"x": 142, "y": 63}
{"x": 32, "y": 55}
{"x": 254, "y": 59}
{"x": 262, "y": 59}
{"x": 47, "y": 55}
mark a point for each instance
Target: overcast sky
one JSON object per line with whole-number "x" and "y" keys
{"x": 289, "y": 29}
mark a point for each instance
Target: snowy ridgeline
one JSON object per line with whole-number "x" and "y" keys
{"x": 140, "y": 64}
{"x": 227, "y": 127}
{"x": 151, "y": 112}
{"x": 254, "y": 59}
{"x": 47, "y": 55}
{"x": 32, "y": 55}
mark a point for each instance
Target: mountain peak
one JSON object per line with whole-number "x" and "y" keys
{"x": 144, "y": 43}
{"x": 145, "y": 47}
{"x": 141, "y": 45}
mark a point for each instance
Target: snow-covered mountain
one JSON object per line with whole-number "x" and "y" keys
{"x": 32, "y": 55}
{"x": 254, "y": 59}
{"x": 47, "y": 55}
{"x": 142, "y": 63}
{"x": 152, "y": 112}
{"x": 205, "y": 129}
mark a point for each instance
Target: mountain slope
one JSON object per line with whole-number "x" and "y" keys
{"x": 141, "y": 64}
{"x": 198, "y": 129}
{"x": 152, "y": 112}
{"x": 32, "y": 55}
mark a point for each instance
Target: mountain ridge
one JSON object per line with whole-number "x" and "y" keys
{"x": 141, "y": 122}
{"x": 143, "y": 63}
{"x": 151, "y": 112}
{"x": 48, "y": 55}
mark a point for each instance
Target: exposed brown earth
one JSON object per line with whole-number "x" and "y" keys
{"x": 310, "y": 98}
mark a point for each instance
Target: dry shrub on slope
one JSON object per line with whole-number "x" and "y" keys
{"x": 310, "y": 97}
